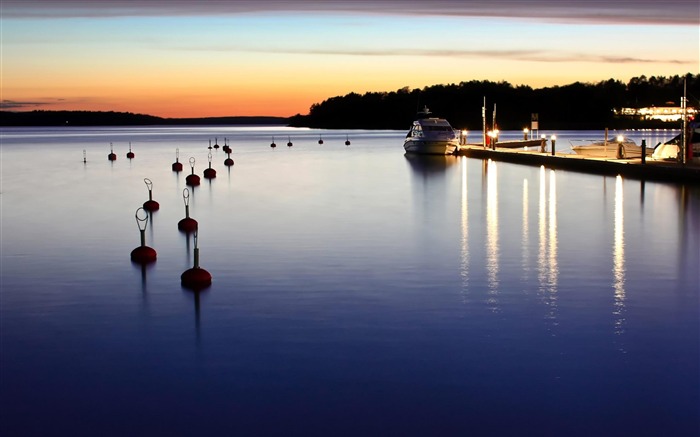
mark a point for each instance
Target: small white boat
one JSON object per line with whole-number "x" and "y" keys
{"x": 622, "y": 148}
{"x": 671, "y": 149}
{"x": 431, "y": 136}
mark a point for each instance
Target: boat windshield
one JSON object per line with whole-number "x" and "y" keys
{"x": 437, "y": 128}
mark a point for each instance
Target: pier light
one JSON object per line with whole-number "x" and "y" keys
{"x": 463, "y": 137}
{"x": 554, "y": 144}
{"x": 620, "y": 138}
{"x": 525, "y": 132}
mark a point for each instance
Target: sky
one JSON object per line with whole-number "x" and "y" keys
{"x": 210, "y": 58}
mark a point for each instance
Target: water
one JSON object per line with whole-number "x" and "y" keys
{"x": 355, "y": 291}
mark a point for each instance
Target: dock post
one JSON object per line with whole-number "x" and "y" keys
{"x": 644, "y": 151}
{"x": 554, "y": 144}
{"x": 543, "y": 144}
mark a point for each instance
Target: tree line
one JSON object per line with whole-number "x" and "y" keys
{"x": 574, "y": 106}
{"x": 112, "y": 118}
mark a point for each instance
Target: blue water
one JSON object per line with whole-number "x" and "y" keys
{"x": 356, "y": 291}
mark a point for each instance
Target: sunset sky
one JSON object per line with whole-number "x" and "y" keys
{"x": 206, "y": 58}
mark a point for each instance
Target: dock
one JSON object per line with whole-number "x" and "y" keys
{"x": 660, "y": 170}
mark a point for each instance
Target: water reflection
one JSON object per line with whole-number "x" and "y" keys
{"x": 492, "y": 249}
{"x": 548, "y": 270}
{"x": 619, "y": 258}
{"x": 464, "y": 249}
{"x": 430, "y": 165}
{"x": 526, "y": 232}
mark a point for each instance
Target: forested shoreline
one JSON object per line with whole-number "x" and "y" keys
{"x": 574, "y": 106}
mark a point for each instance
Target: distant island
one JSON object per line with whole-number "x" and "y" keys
{"x": 574, "y": 106}
{"x": 111, "y": 118}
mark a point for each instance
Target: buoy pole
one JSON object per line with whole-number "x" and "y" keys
{"x": 84, "y": 157}
{"x": 196, "y": 278}
{"x": 150, "y": 205}
{"x": 143, "y": 254}
{"x": 187, "y": 224}
{"x": 149, "y": 185}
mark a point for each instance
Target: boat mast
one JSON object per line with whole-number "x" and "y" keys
{"x": 684, "y": 141}
{"x": 483, "y": 123}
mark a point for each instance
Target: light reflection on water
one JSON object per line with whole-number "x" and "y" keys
{"x": 492, "y": 249}
{"x": 464, "y": 253}
{"x": 375, "y": 292}
{"x": 619, "y": 258}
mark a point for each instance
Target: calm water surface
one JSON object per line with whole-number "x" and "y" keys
{"x": 356, "y": 291}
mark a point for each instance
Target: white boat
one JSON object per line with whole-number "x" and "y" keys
{"x": 431, "y": 136}
{"x": 622, "y": 148}
{"x": 671, "y": 148}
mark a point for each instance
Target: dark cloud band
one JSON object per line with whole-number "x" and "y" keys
{"x": 673, "y": 12}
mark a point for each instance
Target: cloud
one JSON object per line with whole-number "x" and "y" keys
{"x": 511, "y": 54}
{"x": 667, "y": 12}
{"x": 11, "y": 105}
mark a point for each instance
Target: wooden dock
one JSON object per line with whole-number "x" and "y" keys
{"x": 670, "y": 171}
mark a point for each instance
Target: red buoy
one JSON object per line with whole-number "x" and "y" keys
{"x": 177, "y": 165}
{"x": 150, "y": 205}
{"x": 216, "y": 143}
{"x": 143, "y": 254}
{"x": 272, "y": 144}
{"x": 130, "y": 154}
{"x": 347, "y": 140}
{"x": 320, "y": 140}
{"x": 289, "y": 142}
{"x": 192, "y": 179}
{"x": 226, "y": 147}
{"x": 196, "y": 278}
{"x": 209, "y": 173}
{"x": 112, "y": 156}
{"x": 187, "y": 224}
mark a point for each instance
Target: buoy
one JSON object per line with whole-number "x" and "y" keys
{"x": 228, "y": 161}
{"x": 347, "y": 140}
{"x": 196, "y": 278}
{"x": 192, "y": 179}
{"x": 112, "y": 156}
{"x": 143, "y": 254}
{"x": 289, "y": 142}
{"x": 150, "y": 205}
{"x": 130, "y": 154}
{"x": 209, "y": 145}
{"x": 187, "y": 224}
{"x": 273, "y": 145}
{"x": 320, "y": 139}
{"x": 209, "y": 173}
{"x": 84, "y": 157}
{"x": 226, "y": 147}
{"x": 177, "y": 165}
